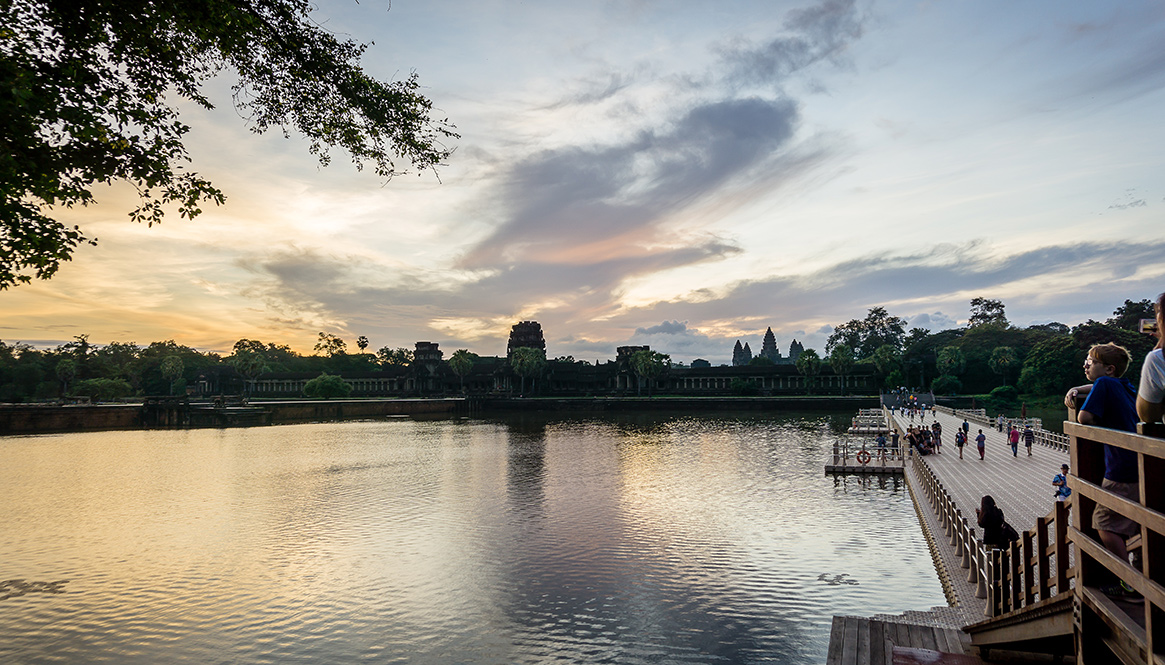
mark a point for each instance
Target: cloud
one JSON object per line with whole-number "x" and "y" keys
{"x": 576, "y": 203}
{"x": 933, "y": 322}
{"x": 816, "y": 33}
{"x": 666, "y": 328}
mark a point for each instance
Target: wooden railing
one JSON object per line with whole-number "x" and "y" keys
{"x": 1044, "y": 437}
{"x": 846, "y": 453}
{"x": 1035, "y": 568}
{"x": 1108, "y": 631}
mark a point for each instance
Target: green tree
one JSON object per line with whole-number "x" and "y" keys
{"x": 1052, "y": 367}
{"x": 398, "y": 357}
{"x": 946, "y": 384}
{"x": 461, "y": 362}
{"x": 66, "y": 372}
{"x": 866, "y": 335}
{"x": 951, "y": 361}
{"x": 1128, "y": 316}
{"x": 985, "y": 311}
{"x": 808, "y": 365}
{"x": 841, "y": 359}
{"x": 1003, "y": 361}
{"x": 249, "y": 364}
{"x": 326, "y": 386}
{"x": 887, "y": 360}
{"x": 331, "y": 345}
{"x": 92, "y": 95}
{"x": 527, "y": 363}
{"x": 648, "y": 364}
{"x": 172, "y": 368}
{"x": 103, "y": 389}
{"x": 761, "y": 361}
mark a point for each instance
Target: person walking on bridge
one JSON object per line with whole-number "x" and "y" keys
{"x": 981, "y": 441}
{"x": 1013, "y": 437}
{"x": 1029, "y": 437}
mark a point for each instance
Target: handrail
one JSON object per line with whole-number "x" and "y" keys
{"x": 1033, "y": 569}
{"x": 1133, "y": 640}
{"x": 1053, "y": 440}
{"x": 844, "y": 450}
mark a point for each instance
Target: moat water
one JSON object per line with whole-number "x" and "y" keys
{"x": 634, "y": 539}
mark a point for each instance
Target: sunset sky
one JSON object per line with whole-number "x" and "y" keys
{"x": 678, "y": 174}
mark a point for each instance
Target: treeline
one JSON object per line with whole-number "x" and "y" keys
{"x": 124, "y": 369}
{"x": 989, "y": 355}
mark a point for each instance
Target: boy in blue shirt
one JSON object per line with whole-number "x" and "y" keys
{"x": 1111, "y": 402}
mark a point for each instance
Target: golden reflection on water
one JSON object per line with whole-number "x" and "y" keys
{"x": 625, "y": 540}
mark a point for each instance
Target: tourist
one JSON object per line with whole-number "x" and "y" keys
{"x": 1029, "y": 437}
{"x": 881, "y": 441}
{"x": 990, "y": 517}
{"x": 1151, "y": 395}
{"x": 894, "y": 439}
{"x": 981, "y": 441}
{"x": 960, "y": 441}
{"x": 966, "y": 427}
{"x": 938, "y": 437}
{"x": 1013, "y": 438}
{"x": 1110, "y": 401}
{"x": 999, "y": 422}
{"x": 1060, "y": 481}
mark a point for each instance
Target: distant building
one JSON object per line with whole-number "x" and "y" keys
{"x": 528, "y": 334}
{"x": 700, "y": 362}
{"x": 795, "y": 350}
{"x": 769, "y": 348}
{"x": 427, "y": 353}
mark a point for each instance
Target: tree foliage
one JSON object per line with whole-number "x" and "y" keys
{"x": 528, "y": 362}
{"x": 808, "y": 365}
{"x": 951, "y": 361}
{"x": 92, "y": 94}
{"x": 648, "y": 364}
{"x": 985, "y": 311}
{"x": 398, "y": 357}
{"x": 841, "y": 360}
{"x": 946, "y": 384}
{"x": 1003, "y": 361}
{"x": 866, "y": 335}
{"x": 331, "y": 345}
{"x": 326, "y": 386}
{"x": 461, "y": 362}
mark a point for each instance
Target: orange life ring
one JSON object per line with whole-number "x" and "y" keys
{"x": 864, "y": 457}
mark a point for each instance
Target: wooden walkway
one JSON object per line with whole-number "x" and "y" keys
{"x": 1021, "y": 486}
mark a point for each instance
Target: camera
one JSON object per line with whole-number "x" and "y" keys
{"x": 1149, "y": 326}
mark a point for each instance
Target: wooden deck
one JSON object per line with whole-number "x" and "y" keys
{"x": 858, "y": 641}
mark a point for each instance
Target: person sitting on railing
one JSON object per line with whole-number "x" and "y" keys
{"x": 1151, "y": 395}
{"x": 1110, "y": 402}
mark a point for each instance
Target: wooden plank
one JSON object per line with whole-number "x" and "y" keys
{"x": 877, "y": 643}
{"x": 863, "y": 648}
{"x": 849, "y": 647}
{"x": 909, "y": 656}
{"x": 836, "y": 636}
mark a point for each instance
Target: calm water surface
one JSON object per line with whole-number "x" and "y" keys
{"x": 647, "y": 539}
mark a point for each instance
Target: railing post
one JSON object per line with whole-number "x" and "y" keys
{"x": 964, "y": 544}
{"x": 1028, "y": 594}
{"x": 982, "y": 569}
{"x": 1042, "y": 558}
{"x": 955, "y": 518}
{"x": 1062, "y": 546}
{"x": 993, "y": 585}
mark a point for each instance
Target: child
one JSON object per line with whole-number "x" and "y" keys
{"x": 1110, "y": 402}
{"x": 1060, "y": 481}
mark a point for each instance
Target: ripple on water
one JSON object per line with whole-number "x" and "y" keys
{"x": 650, "y": 539}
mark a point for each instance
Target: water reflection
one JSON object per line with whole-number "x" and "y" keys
{"x": 631, "y": 539}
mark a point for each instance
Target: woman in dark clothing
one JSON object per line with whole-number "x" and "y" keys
{"x": 991, "y": 519}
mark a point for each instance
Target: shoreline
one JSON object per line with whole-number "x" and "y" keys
{"x": 174, "y": 413}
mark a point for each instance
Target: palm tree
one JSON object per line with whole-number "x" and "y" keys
{"x": 527, "y": 362}
{"x": 461, "y": 362}
{"x": 841, "y": 359}
{"x": 808, "y": 364}
{"x": 648, "y": 364}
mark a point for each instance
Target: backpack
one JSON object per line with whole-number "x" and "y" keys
{"x": 1009, "y": 533}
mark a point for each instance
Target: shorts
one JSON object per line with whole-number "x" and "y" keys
{"x": 1104, "y": 519}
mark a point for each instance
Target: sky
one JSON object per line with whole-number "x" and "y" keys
{"x": 676, "y": 174}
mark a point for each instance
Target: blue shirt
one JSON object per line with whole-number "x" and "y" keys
{"x": 1113, "y": 403}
